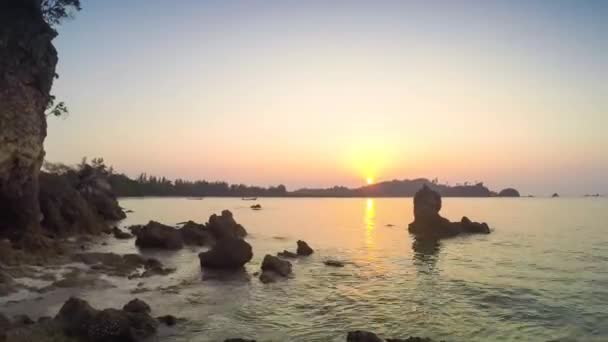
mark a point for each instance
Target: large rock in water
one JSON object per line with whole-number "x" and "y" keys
{"x": 274, "y": 267}
{"x": 508, "y": 192}
{"x": 224, "y": 226}
{"x": 195, "y": 234}
{"x": 158, "y": 235}
{"x": 228, "y": 253}
{"x": 429, "y": 224}
{"x": 27, "y": 70}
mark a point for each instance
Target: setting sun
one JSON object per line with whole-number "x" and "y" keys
{"x": 370, "y": 180}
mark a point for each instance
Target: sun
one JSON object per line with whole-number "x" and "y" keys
{"x": 370, "y": 181}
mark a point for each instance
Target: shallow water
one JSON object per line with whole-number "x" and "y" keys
{"x": 542, "y": 275}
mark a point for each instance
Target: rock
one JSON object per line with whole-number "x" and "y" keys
{"x": 225, "y": 226}
{"x": 280, "y": 266}
{"x": 137, "y": 305}
{"x": 238, "y": 340}
{"x": 5, "y": 323}
{"x": 428, "y": 224}
{"x": 167, "y": 320}
{"x": 64, "y": 210}
{"x": 333, "y": 263}
{"x": 122, "y": 265}
{"x": 228, "y": 253}
{"x": 287, "y": 254}
{"x": 256, "y": 207}
{"x": 555, "y": 195}
{"x": 158, "y": 235}
{"x": 304, "y": 249}
{"x": 96, "y": 189}
{"x": 508, "y": 192}
{"x": 75, "y": 316}
{"x": 27, "y": 70}
{"x": 195, "y": 234}
{"x": 78, "y": 318}
{"x": 119, "y": 234}
{"x": 362, "y": 336}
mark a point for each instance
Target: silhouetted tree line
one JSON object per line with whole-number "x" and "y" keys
{"x": 146, "y": 185}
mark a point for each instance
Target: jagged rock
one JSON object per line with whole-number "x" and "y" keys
{"x": 273, "y": 268}
{"x": 27, "y": 70}
{"x": 333, "y": 263}
{"x": 508, "y": 192}
{"x": 167, "y": 320}
{"x": 224, "y": 226}
{"x": 77, "y": 318}
{"x": 119, "y": 234}
{"x": 96, "y": 189}
{"x": 195, "y": 234}
{"x": 158, "y": 235}
{"x": 429, "y": 224}
{"x": 304, "y": 249}
{"x": 228, "y": 253}
{"x": 137, "y": 305}
{"x": 287, "y": 254}
{"x": 362, "y": 336}
{"x": 64, "y": 210}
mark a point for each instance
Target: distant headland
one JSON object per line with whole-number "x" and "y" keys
{"x": 145, "y": 185}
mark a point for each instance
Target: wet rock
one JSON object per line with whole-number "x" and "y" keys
{"x": 158, "y": 235}
{"x": 75, "y": 316}
{"x": 508, "y": 192}
{"x": 119, "y": 234}
{"x": 430, "y": 225}
{"x": 362, "y": 336}
{"x": 333, "y": 263}
{"x": 137, "y": 305}
{"x": 287, "y": 254}
{"x": 5, "y": 323}
{"x": 304, "y": 249}
{"x": 256, "y": 207}
{"x": 167, "y": 320}
{"x": 280, "y": 266}
{"x": 195, "y": 234}
{"x": 224, "y": 226}
{"x": 228, "y": 253}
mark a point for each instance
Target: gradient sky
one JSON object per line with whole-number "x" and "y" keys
{"x": 317, "y": 93}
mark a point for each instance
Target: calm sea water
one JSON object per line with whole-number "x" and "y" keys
{"x": 542, "y": 275}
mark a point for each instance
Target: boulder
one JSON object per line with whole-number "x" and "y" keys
{"x": 137, "y": 305}
{"x": 508, "y": 192}
{"x": 555, "y": 195}
{"x": 224, "y": 226}
{"x": 228, "y": 253}
{"x": 429, "y": 224}
{"x": 287, "y": 254}
{"x": 303, "y": 248}
{"x": 277, "y": 265}
{"x": 256, "y": 207}
{"x": 119, "y": 234}
{"x": 158, "y": 235}
{"x": 195, "y": 234}
{"x": 75, "y": 316}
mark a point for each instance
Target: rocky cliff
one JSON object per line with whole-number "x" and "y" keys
{"x": 27, "y": 70}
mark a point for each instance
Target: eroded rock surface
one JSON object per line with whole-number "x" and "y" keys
{"x": 228, "y": 253}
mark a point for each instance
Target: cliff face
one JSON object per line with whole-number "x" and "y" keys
{"x": 27, "y": 70}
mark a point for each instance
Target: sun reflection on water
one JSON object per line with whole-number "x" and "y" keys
{"x": 370, "y": 220}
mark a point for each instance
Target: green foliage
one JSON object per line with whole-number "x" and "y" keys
{"x": 59, "y": 109}
{"x": 54, "y": 11}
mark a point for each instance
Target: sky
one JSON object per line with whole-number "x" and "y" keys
{"x": 319, "y": 93}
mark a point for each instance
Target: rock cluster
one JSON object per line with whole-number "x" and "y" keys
{"x": 429, "y": 224}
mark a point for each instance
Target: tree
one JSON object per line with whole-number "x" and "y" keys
{"x": 54, "y": 11}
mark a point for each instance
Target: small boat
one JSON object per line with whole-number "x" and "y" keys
{"x": 249, "y": 198}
